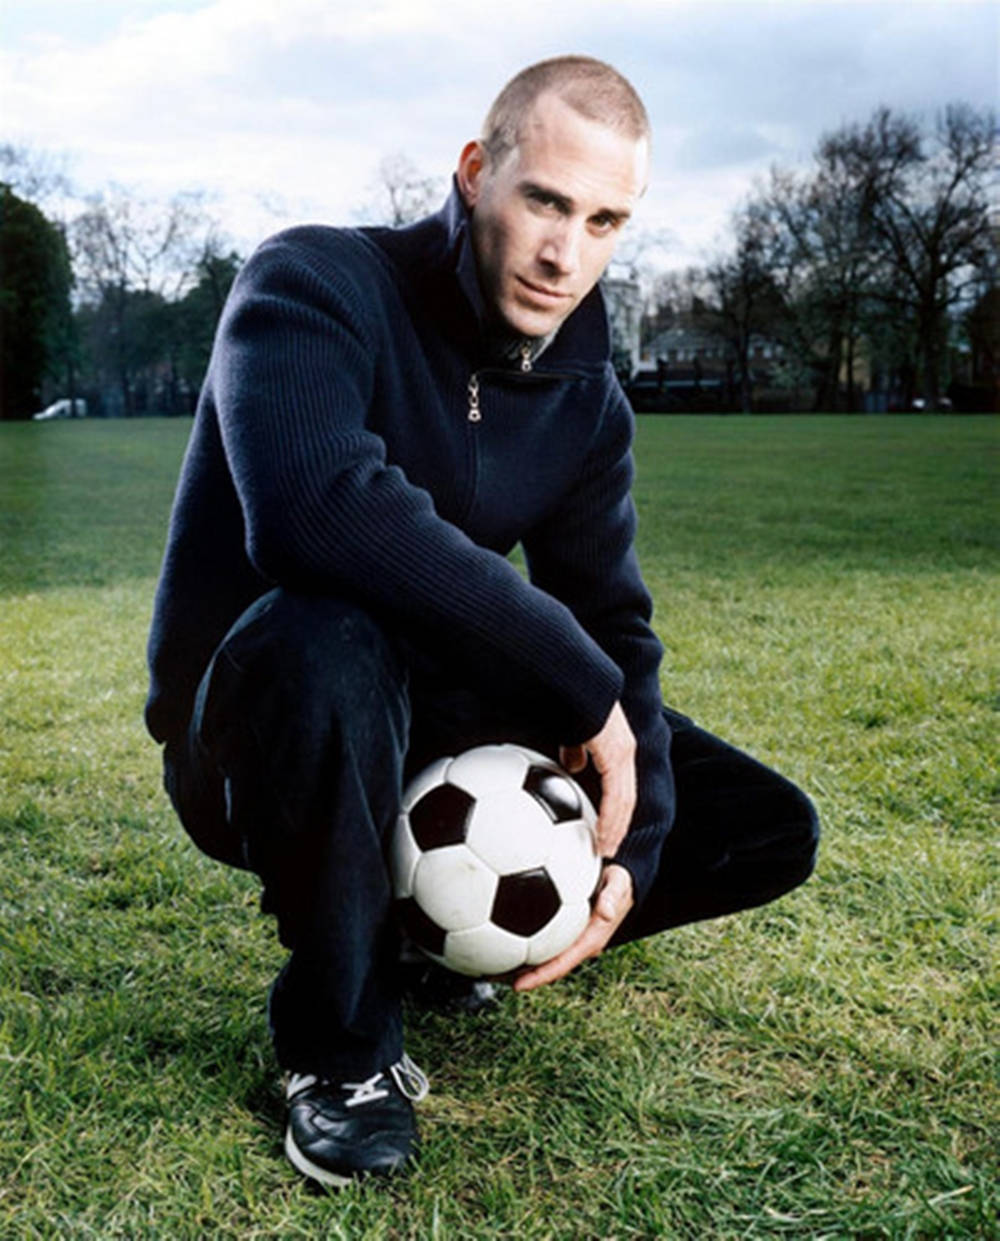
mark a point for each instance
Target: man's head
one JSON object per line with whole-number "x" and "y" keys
{"x": 561, "y": 163}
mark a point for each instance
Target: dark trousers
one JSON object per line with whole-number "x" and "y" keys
{"x": 306, "y": 725}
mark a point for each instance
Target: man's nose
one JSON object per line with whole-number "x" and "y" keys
{"x": 560, "y": 250}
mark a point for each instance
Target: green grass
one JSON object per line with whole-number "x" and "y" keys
{"x": 823, "y": 1067}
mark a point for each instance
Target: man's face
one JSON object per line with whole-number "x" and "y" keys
{"x": 546, "y": 217}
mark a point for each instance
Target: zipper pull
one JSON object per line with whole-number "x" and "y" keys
{"x": 475, "y": 414}
{"x": 525, "y": 356}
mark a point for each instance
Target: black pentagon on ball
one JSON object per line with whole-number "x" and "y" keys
{"x": 424, "y": 932}
{"x": 525, "y": 902}
{"x": 440, "y": 817}
{"x": 558, "y": 796}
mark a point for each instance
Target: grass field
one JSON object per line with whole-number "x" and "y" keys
{"x": 824, "y": 1067}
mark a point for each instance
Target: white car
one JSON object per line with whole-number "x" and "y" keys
{"x": 63, "y": 408}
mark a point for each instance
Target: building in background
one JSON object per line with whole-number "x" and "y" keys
{"x": 623, "y": 298}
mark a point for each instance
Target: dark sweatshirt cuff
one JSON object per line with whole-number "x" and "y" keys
{"x": 640, "y": 855}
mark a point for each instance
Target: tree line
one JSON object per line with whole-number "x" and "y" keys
{"x": 116, "y": 303}
{"x": 872, "y": 275}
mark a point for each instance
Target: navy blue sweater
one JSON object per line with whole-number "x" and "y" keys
{"x": 338, "y": 448}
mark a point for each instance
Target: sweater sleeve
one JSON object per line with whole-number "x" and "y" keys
{"x": 293, "y": 377}
{"x": 585, "y": 556}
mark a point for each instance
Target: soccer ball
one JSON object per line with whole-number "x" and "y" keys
{"x": 493, "y": 860}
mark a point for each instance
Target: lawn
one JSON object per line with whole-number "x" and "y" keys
{"x": 823, "y": 1067}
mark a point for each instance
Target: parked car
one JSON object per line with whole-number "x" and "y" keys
{"x": 65, "y": 407}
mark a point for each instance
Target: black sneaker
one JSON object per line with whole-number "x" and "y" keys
{"x": 431, "y": 986}
{"x": 338, "y": 1131}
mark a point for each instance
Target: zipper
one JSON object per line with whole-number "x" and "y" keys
{"x": 475, "y": 413}
{"x": 526, "y": 369}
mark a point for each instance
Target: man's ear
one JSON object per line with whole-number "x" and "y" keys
{"x": 470, "y": 171}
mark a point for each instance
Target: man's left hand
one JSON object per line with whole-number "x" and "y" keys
{"x": 614, "y": 899}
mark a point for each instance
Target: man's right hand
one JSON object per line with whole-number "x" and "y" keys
{"x": 612, "y": 751}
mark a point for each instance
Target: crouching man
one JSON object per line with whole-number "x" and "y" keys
{"x": 387, "y": 413}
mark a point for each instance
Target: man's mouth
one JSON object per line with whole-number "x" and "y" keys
{"x": 541, "y": 293}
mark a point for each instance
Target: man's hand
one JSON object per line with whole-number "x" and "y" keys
{"x": 612, "y": 752}
{"x": 614, "y": 899}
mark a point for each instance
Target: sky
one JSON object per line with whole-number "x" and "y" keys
{"x": 281, "y": 110}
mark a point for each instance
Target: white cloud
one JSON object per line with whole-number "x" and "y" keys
{"x": 297, "y": 100}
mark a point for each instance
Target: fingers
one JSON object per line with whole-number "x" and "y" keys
{"x": 614, "y": 900}
{"x": 617, "y": 805}
{"x": 613, "y": 755}
{"x": 573, "y": 758}
{"x": 588, "y": 945}
{"x": 615, "y": 897}
{"x": 612, "y": 752}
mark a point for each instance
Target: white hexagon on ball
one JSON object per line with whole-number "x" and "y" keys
{"x": 572, "y": 861}
{"x": 510, "y": 831}
{"x": 484, "y": 950}
{"x": 454, "y": 887}
{"x": 564, "y": 929}
{"x": 490, "y": 768}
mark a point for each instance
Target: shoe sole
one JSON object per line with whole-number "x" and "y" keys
{"x": 334, "y": 1180}
{"x": 306, "y": 1166}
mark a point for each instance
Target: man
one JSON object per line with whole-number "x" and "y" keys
{"x": 386, "y": 415}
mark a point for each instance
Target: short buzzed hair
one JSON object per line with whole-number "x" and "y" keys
{"x": 590, "y": 87}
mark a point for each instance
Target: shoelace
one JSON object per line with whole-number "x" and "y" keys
{"x": 408, "y": 1076}
{"x": 365, "y": 1092}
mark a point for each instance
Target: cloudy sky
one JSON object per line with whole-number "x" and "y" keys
{"x": 282, "y": 109}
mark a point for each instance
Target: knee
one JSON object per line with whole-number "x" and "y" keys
{"x": 312, "y": 644}
{"x": 318, "y": 661}
{"x": 309, "y": 633}
{"x": 802, "y": 833}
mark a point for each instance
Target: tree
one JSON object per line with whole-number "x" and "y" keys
{"x": 36, "y": 175}
{"x": 979, "y": 388}
{"x": 927, "y": 199}
{"x": 42, "y": 177}
{"x": 737, "y": 298}
{"x": 35, "y": 280}
{"x": 122, "y": 241}
{"x": 134, "y": 258}
{"x": 819, "y": 253}
{"x": 400, "y": 193}
{"x": 877, "y": 253}
{"x": 197, "y": 315}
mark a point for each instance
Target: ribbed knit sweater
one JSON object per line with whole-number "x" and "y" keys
{"x": 356, "y": 435}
